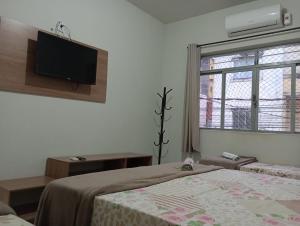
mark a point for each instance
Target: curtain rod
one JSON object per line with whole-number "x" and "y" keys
{"x": 249, "y": 37}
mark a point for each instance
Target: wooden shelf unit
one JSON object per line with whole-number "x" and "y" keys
{"x": 60, "y": 167}
{"x": 23, "y": 194}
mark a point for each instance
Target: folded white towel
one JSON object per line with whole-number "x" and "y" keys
{"x": 188, "y": 164}
{"x": 230, "y": 156}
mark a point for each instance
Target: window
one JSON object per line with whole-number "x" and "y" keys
{"x": 255, "y": 90}
{"x": 237, "y": 101}
{"x": 210, "y": 100}
{"x": 228, "y": 61}
{"x": 241, "y": 76}
{"x": 241, "y": 118}
{"x": 274, "y": 108}
{"x": 297, "y": 97}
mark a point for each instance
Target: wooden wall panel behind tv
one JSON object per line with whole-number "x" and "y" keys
{"x": 17, "y": 67}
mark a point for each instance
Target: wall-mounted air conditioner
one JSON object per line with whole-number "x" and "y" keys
{"x": 262, "y": 19}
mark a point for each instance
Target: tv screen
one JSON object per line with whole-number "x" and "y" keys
{"x": 61, "y": 58}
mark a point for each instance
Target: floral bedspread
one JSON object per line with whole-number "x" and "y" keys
{"x": 219, "y": 198}
{"x": 271, "y": 169}
{"x": 11, "y": 220}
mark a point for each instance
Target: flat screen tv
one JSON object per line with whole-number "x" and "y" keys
{"x": 61, "y": 58}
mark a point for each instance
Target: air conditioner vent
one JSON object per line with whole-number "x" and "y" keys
{"x": 254, "y": 21}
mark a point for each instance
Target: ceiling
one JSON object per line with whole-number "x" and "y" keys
{"x": 168, "y": 11}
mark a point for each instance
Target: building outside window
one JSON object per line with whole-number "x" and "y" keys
{"x": 255, "y": 90}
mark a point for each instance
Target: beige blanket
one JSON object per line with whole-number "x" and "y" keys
{"x": 69, "y": 201}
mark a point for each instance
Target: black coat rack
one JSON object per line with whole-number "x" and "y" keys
{"x": 161, "y": 133}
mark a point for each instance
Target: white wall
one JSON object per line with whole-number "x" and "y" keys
{"x": 273, "y": 148}
{"x": 33, "y": 128}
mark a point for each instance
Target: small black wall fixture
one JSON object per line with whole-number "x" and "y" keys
{"x": 161, "y": 133}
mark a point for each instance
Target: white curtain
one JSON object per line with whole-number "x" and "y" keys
{"x": 191, "y": 134}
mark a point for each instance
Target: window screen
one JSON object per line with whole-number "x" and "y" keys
{"x": 260, "y": 91}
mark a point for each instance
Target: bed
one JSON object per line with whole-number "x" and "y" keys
{"x": 222, "y": 197}
{"x": 273, "y": 169}
{"x": 8, "y": 217}
{"x": 207, "y": 196}
{"x": 12, "y": 220}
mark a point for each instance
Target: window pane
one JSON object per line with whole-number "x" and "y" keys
{"x": 279, "y": 54}
{"x": 238, "y": 101}
{"x": 210, "y": 101}
{"x": 297, "y": 122}
{"x": 274, "y": 111}
{"x": 228, "y": 61}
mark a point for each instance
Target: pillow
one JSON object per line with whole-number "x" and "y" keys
{"x": 5, "y": 209}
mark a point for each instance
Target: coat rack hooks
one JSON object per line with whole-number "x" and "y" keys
{"x": 161, "y": 133}
{"x": 158, "y": 94}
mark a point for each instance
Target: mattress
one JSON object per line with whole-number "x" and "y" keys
{"x": 69, "y": 201}
{"x": 218, "y": 198}
{"x": 272, "y": 169}
{"x": 11, "y": 220}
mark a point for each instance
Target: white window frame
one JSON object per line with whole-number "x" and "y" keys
{"x": 255, "y": 90}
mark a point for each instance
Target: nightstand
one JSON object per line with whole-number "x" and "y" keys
{"x": 23, "y": 194}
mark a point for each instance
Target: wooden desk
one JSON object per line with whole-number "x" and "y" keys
{"x": 60, "y": 167}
